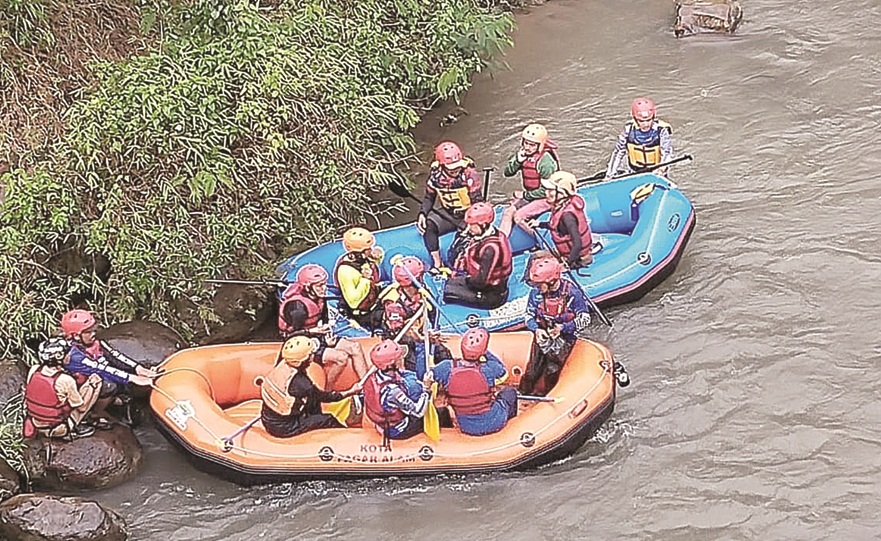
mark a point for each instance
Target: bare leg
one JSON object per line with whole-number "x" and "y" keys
{"x": 356, "y": 354}
{"x": 507, "y": 223}
{"x": 90, "y": 398}
{"x": 335, "y": 362}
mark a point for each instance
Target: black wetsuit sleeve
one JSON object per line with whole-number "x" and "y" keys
{"x": 569, "y": 227}
{"x": 302, "y": 387}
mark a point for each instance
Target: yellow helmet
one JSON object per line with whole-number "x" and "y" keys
{"x": 536, "y": 133}
{"x": 358, "y": 239}
{"x": 296, "y": 350}
{"x": 562, "y": 181}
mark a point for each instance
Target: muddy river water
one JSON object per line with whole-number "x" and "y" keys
{"x": 754, "y": 411}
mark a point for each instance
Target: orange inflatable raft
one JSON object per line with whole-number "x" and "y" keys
{"x": 208, "y": 394}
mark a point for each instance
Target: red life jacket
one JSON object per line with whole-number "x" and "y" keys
{"x": 294, "y": 293}
{"x": 574, "y": 206}
{"x": 357, "y": 262}
{"x": 373, "y": 404}
{"x": 42, "y": 400}
{"x": 94, "y": 351}
{"x": 529, "y": 167}
{"x": 555, "y": 309}
{"x": 469, "y": 261}
{"x": 468, "y": 390}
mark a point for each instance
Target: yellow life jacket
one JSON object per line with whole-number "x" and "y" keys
{"x": 274, "y": 389}
{"x": 644, "y": 148}
{"x": 453, "y": 193}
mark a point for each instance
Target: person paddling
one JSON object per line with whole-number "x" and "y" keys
{"x": 645, "y": 141}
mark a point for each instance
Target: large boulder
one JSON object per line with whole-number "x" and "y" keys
{"x": 147, "y": 342}
{"x": 41, "y": 517}
{"x": 105, "y": 459}
{"x": 12, "y": 378}
{"x": 10, "y": 482}
{"x": 237, "y": 311}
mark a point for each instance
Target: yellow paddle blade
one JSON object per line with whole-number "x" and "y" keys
{"x": 340, "y": 409}
{"x": 431, "y": 422}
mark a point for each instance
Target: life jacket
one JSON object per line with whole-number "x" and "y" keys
{"x": 293, "y": 293}
{"x": 274, "y": 390}
{"x": 468, "y": 390}
{"x": 644, "y": 147}
{"x": 454, "y": 193}
{"x": 95, "y": 351}
{"x": 42, "y": 401}
{"x": 357, "y": 262}
{"x": 555, "y": 309}
{"x": 529, "y": 167}
{"x": 410, "y": 302}
{"x": 469, "y": 260}
{"x": 373, "y": 402}
{"x": 574, "y": 206}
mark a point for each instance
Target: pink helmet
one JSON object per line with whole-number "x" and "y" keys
{"x": 545, "y": 271}
{"x": 76, "y": 321}
{"x": 643, "y": 109}
{"x": 474, "y": 343}
{"x": 480, "y": 214}
{"x": 412, "y": 264}
{"x": 311, "y": 274}
{"x": 385, "y": 354}
{"x": 448, "y": 154}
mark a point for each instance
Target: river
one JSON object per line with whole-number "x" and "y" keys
{"x": 754, "y": 411}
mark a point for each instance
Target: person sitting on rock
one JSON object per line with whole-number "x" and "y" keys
{"x": 303, "y": 312}
{"x": 484, "y": 265}
{"x": 469, "y": 382}
{"x": 535, "y": 159}
{"x": 291, "y": 401}
{"x": 645, "y": 142}
{"x": 570, "y": 229}
{"x": 555, "y": 312}
{"x": 453, "y": 179}
{"x": 56, "y": 406}
{"x": 397, "y": 409}
{"x": 357, "y": 275}
{"x": 88, "y": 356}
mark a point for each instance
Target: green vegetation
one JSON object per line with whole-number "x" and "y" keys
{"x": 167, "y": 142}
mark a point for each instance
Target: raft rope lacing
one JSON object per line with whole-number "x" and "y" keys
{"x": 222, "y": 442}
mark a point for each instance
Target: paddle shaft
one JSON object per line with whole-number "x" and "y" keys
{"x": 532, "y": 398}
{"x": 602, "y": 174}
{"x": 430, "y": 299}
{"x": 487, "y": 172}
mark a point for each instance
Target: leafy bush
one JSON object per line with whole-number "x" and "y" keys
{"x": 251, "y": 130}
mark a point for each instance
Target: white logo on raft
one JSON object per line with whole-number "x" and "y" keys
{"x": 180, "y": 413}
{"x": 510, "y": 311}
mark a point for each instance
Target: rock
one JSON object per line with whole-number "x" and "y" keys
{"x": 10, "y": 482}
{"x": 707, "y": 16}
{"x": 12, "y": 378}
{"x": 239, "y": 311}
{"x": 38, "y": 517}
{"x": 105, "y": 459}
{"x": 147, "y": 342}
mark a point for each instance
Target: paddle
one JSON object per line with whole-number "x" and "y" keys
{"x": 487, "y": 171}
{"x": 602, "y": 174}
{"x": 426, "y": 295}
{"x": 587, "y": 298}
{"x": 431, "y": 421}
{"x": 532, "y": 398}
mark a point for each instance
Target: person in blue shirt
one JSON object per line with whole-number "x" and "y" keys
{"x": 555, "y": 312}
{"x": 469, "y": 383}
{"x": 396, "y": 408}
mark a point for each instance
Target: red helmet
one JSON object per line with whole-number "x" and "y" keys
{"x": 311, "y": 274}
{"x": 642, "y": 109}
{"x": 412, "y": 264}
{"x": 474, "y": 343}
{"x": 545, "y": 271}
{"x": 385, "y": 354}
{"x": 76, "y": 321}
{"x": 394, "y": 316}
{"x": 480, "y": 214}
{"x": 448, "y": 154}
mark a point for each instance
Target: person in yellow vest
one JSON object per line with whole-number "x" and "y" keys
{"x": 291, "y": 400}
{"x": 646, "y": 141}
{"x": 357, "y": 275}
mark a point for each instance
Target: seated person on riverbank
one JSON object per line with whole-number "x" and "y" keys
{"x": 535, "y": 159}
{"x": 303, "y": 312}
{"x": 357, "y": 275}
{"x": 56, "y": 406}
{"x": 397, "y": 409}
{"x": 291, "y": 401}
{"x": 645, "y": 142}
{"x": 555, "y": 312}
{"x": 469, "y": 382}
{"x": 570, "y": 229}
{"x": 88, "y": 356}
{"x": 483, "y": 267}
{"x": 454, "y": 180}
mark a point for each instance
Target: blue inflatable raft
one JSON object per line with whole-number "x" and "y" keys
{"x": 642, "y": 241}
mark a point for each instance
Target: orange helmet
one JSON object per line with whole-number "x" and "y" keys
{"x": 76, "y": 321}
{"x": 643, "y": 109}
{"x": 536, "y": 133}
{"x": 562, "y": 181}
{"x": 296, "y": 350}
{"x": 385, "y": 354}
{"x": 474, "y": 343}
{"x": 480, "y": 214}
{"x": 358, "y": 239}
